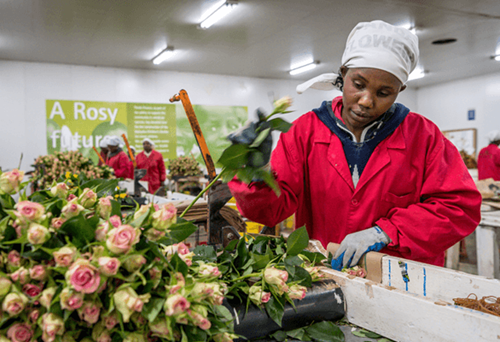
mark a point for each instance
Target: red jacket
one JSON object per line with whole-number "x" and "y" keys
{"x": 156, "y": 169}
{"x": 488, "y": 163}
{"x": 415, "y": 186}
{"x": 122, "y": 166}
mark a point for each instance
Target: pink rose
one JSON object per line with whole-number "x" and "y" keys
{"x": 115, "y": 221}
{"x": 165, "y": 217}
{"x": 83, "y": 276}
{"x": 199, "y": 320}
{"x": 14, "y": 303}
{"x": 134, "y": 263}
{"x": 57, "y": 222}
{"x": 276, "y": 277}
{"x": 60, "y": 190}
{"x": 33, "y": 315}
{"x": 20, "y": 332}
{"x": 38, "y": 234}
{"x": 31, "y": 290}
{"x": 38, "y": 272}
{"x": 71, "y": 197}
{"x": 64, "y": 256}
{"x": 89, "y": 312}
{"x": 160, "y": 328}
{"x": 257, "y": 295}
{"x": 142, "y": 210}
{"x": 209, "y": 271}
{"x": 110, "y": 321}
{"x": 104, "y": 207}
{"x": 14, "y": 258}
{"x": 88, "y": 198}
{"x": 176, "y": 305}
{"x": 108, "y": 266}
{"x": 71, "y": 209}
{"x": 52, "y": 325}
{"x": 297, "y": 292}
{"x": 71, "y": 300}
{"x": 30, "y": 211}
{"x": 120, "y": 240}
{"x": 10, "y": 181}
{"x": 21, "y": 275}
{"x": 315, "y": 273}
{"x": 127, "y": 301}
{"x": 102, "y": 231}
{"x": 47, "y": 296}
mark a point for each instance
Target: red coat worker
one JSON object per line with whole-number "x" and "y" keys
{"x": 152, "y": 161}
{"x": 104, "y": 150}
{"x": 488, "y": 161}
{"x": 118, "y": 160}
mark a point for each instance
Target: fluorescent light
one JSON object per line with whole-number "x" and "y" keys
{"x": 218, "y": 14}
{"x": 416, "y": 74}
{"x": 163, "y": 56}
{"x": 496, "y": 58}
{"x": 303, "y": 68}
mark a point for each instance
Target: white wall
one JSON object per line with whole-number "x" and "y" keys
{"x": 24, "y": 87}
{"x": 447, "y": 105}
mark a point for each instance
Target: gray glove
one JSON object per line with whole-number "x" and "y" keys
{"x": 356, "y": 244}
{"x": 247, "y": 136}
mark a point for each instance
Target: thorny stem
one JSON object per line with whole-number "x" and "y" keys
{"x": 201, "y": 194}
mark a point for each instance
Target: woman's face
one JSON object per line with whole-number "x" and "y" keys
{"x": 368, "y": 93}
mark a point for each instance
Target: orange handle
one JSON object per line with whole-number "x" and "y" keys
{"x": 129, "y": 150}
{"x": 99, "y": 155}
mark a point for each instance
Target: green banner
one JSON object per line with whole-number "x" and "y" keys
{"x": 81, "y": 125}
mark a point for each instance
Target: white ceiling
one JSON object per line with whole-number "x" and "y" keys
{"x": 260, "y": 38}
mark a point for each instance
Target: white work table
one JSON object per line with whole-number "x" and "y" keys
{"x": 488, "y": 263}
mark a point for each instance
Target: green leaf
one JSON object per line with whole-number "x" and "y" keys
{"x": 300, "y": 274}
{"x": 325, "y": 332}
{"x": 102, "y": 186}
{"x": 297, "y": 334}
{"x": 271, "y": 182}
{"x": 231, "y": 245}
{"x": 243, "y": 253}
{"x": 205, "y": 253}
{"x": 178, "y": 264}
{"x": 178, "y": 233}
{"x": 7, "y": 202}
{"x": 222, "y": 311}
{"x": 139, "y": 221}
{"x": 261, "y": 137}
{"x": 366, "y": 333}
{"x": 194, "y": 334}
{"x": 261, "y": 261}
{"x": 279, "y": 335}
{"x": 153, "y": 246}
{"x": 153, "y": 308}
{"x": 80, "y": 230}
{"x": 275, "y": 310}
{"x": 297, "y": 241}
{"x": 228, "y": 174}
{"x": 116, "y": 208}
{"x": 234, "y": 157}
{"x": 280, "y": 125}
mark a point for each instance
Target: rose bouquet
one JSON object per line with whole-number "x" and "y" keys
{"x": 73, "y": 267}
{"x": 61, "y": 165}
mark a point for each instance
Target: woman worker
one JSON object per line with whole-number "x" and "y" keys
{"x": 118, "y": 160}
{"x": 103, "y": 144}
{"x": 364, "y": 171}
{"x": 152, "y": 161}
{"x": 488, "y": 161}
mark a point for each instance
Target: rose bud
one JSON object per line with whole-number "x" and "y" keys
{"x": 14, "y": 303}
{"x": 10, "y": 181}
{"x": 71, "y": 300}
{"x": 160, "y": 328}
{"x": 127, "y": 301}
{"x": 102, "y": 231}
{"x": 108, "y": 266}
{"x": 14, "y": 258}
{"x": 21, "y": 275}
{"x": 176, "y": 305}
{"x": 153, "y": 234}
{"x": 64, "y": 256}
{"x": 276, "y": 277}
{"x": 71, "y": 209}
{"x": 52, "y": 325}
{"x": 115, "y": 221}
{"x": 89, "y": 312}
{"x": 60, "y": 190}
{"x": 57, "y": 222}
{"x": 30, "y": 211}
{"x": 88, "y": 198}
{"x": 31, "y": 290}
{"x": 38, "y": 234}
{"x": 257, "y": 296}
{"x": 104, "y": 207}
{"x": 134, "y": 263}
{"x": 209, "y": 271}
{"x": 5, "y": 285}
{"x": 297, "y": 292}
{"x": 47, "y": 296}
{"x": 165, "y": 217}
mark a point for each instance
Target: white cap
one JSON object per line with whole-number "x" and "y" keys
{"x": 114, "y": 141}
{"x": 493, "y": 135}
{"x": 104, "y": 142}
{"x": 149, "y": 141}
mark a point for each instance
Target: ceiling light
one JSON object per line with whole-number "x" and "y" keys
{"x": 304, "y": 68}
{"x": 416, "y": 74}
{"x": 218, "y": 14}
{"x": 163, "y": 56}
{"x": 496, "y": 58}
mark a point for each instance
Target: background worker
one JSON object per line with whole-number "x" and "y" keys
{"x": 103, "y": 144}
{"x": 488, "y": 161}
{"x": 152, "y": 161}
{"x": 118, "y": 160}
{"x": 362, "y": 170}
